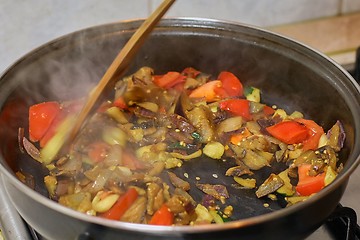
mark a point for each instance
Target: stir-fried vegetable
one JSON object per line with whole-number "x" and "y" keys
{"x": 41, "y": 117}
{"x": 163, "y": 216}
{"x": 117, "y": 210}
{"x": 307, "y": 184}
{"x": 121, "y": 166}
{"x": 289, "y": 132}
{"x": 231, "y": 84}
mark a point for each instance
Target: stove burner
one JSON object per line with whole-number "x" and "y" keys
{"x": 342, "y": 224}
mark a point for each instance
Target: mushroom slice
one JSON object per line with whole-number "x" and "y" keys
{"x": 178, "y": 182}
{"x": 217, "y": 191}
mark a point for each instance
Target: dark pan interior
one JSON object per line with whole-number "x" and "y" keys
{"x": 289, "y": 76}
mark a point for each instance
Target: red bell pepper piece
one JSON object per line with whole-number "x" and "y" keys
{"x": 237, "y": 138}
{"x": 121, "y": 205}
{"x": 163, "y": 216}
{"x": 169, "y": 80}
{"x": 308, "y": 185}
{"x": 289, "y": 132}
{"x": 41, "y": 117}
{"x": 53, "y": 128}
{"x": 231, "y": 84}
{"x": 238, "y": 107}
{"x": 210, "y": 91}
{"x": 268, "y": 110}
{"x": 70, "y": 108}
{"x": 315, "y": 132}
{"x": 120, "y": 103}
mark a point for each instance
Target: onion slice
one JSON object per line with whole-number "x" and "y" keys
{"x": 31, "y": 149}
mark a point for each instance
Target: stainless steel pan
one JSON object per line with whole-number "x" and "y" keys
{"x": 290, "y": 75}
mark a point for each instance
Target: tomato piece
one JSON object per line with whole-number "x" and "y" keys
{"x": 231, "y": 84}
{"x": 289, "y": 132}
{"x": 238, "y": 107}
{"x": 98, "y": 151}
{"x": 169, "y": 80}
{"x": 209, "y": 91}
{"x": 163, "y": 216}
{"x": 121, "y": 205}
{"x": 315, "y": 132}
{"x": 41, "y": 117}
{"x": 308, "y": 185}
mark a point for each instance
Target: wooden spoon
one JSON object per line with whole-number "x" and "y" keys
{"x": 120, "y": 63}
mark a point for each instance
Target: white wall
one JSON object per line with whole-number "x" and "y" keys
{"x": 26, "y": 24}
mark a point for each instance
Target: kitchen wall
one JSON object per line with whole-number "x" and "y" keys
{"x": 26, "y": 24}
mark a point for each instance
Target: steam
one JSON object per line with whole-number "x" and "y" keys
{"x": 66, "y": 73}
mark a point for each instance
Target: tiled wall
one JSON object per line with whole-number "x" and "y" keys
{"x": 28, "y": 24}
{"x": 262, "y": 12}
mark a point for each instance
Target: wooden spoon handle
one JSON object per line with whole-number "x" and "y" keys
{"x": 120, "y": 63}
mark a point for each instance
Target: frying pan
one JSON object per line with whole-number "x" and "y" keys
{"x": 290, "y": 75}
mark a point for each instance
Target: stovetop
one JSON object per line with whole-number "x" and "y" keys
{"x": 342, "y": 225}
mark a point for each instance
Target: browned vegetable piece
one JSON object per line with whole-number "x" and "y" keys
{"x": 184, "y": 218}
{"x": 229, "y": 125}
{"x": 157, "y": 168}
{"x": 31, "y": 149}
{"x": 239, "y": 170}
{"x": 257, "y": 159}
{"x": 184, "y": 194}
{"x": 136, "y": 212}
{"x": 319, "y": 159}
{"x": 273, "y": 183}
{"x": 178, "y": 182}
{"x": 155, "y": 198}
{"x": 177, "y": 204}
{"x": 200, "y": 117}
{"x": 143, "y": 76}
{"x": 20, "y": 139}
{"x": 69, "y": 165}
{"x": 329, "y": 155}
{"x": 336, "y": 136}
{"x": 183, "y": 104}
{"x": 26, "y": 178}
{"x": 325, "y": 156}
{"x": 80, "y": 201}
{"x": 306, "y": 157}
{"x": 144, "y": 113}
{"x": 217, "y": 191}
{"x": 63, "y": 187}
{"x": 179, "y": 122}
